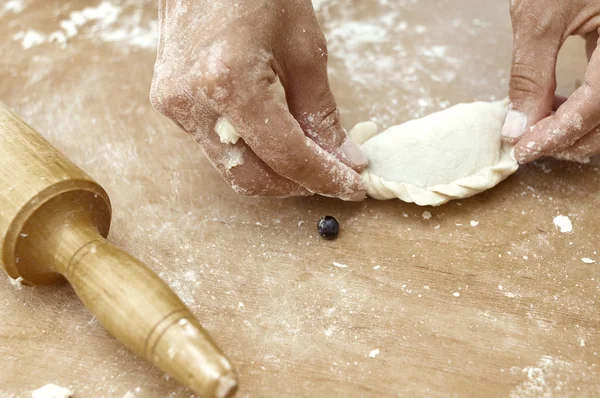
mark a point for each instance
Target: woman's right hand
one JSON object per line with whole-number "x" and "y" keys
{"x": 540, "y": 28}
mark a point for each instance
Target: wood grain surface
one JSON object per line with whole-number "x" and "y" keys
{"x": 485, "y": 298}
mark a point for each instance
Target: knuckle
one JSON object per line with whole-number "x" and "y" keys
{"x": 167, "y": 98}
{"x": 315, "y": 122}
{"x": 223, "y": 71}
{"x": 525, "y": 83}
{"x": 543, "y": 28}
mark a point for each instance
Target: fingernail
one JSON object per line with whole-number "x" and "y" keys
{"x": 354, "y": 154}
{"x": 514, "y": 125}
{"x": 358, "y": 196}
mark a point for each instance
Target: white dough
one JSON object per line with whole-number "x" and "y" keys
{"x": 227, "y": 133}
{"x": 52, "y": 391}
{"x": 452, "y": 154}
{"x": 362, "y": 132}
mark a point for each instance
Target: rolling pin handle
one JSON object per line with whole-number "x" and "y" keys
{"x": 141, "y": 311}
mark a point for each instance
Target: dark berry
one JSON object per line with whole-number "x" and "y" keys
{"x": 329, "y": 227}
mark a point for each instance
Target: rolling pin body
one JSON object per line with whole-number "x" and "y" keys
{"x": 53, "y": 223}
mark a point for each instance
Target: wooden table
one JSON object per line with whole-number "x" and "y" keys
{"x": 485, "y": 298}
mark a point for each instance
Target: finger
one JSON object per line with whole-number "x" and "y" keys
{"x": 576, "y": 117}
{"x": 310, "y": 101}
{"x": 273, "y": 134}
{"x": 583, "y": 149}
{"x": 532, "y": 81}
{"x": 239, "y": 166}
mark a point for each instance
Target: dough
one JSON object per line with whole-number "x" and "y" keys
{"x": 452, "y": 154}
{"x": 226, "y": 132}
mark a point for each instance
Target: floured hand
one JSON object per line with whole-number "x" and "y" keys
{"x": 540, "y": 29}
{"x": 217, "y": 59}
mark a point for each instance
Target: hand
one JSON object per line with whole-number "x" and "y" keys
{"x": 540, "y": 28}
{"x": 219, "y": 58}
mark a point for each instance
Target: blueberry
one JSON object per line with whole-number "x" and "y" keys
{"x": 328, "y": 227}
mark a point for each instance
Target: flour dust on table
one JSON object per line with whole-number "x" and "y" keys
{"x": 452, "y": 154}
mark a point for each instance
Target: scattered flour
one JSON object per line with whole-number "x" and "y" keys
{"x": 106, "y": 22}
{"x": 474, "y": 223}
{"x": 546, "y": 379}
{"x": 15, "y": 282}
{"x": 416, "y": 59}
{"x": 426, "y": 215}
{"x": 339, "y": 265}
{"x": 563, "y": 223}
{"x": 52, "y": 391}
{"x": 235, "y": 158}
{"x": 14, "y": 6}
{"x": 30, "y": 38}
{"x": 374, "y": 353}
{"x": 456, "y": 294}
{"x": 588, "y": 260}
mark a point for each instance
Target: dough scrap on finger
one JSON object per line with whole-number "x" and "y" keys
{"x": 452, "y": 154}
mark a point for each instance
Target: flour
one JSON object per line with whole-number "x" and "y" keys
{"x": 30, "y": 38}
{"x": 15, "y": 282}
{"x": 235, "y": 158}
{"x": 339, "y": 265}
{"x": 563, "y": 223}
{"x": 52, "y": 391}
{"x": 588, "y": 260}
{"x": 358, "y": 44}
{"x": 374, "y": 353}
{"x": 106, "y": 22}
{"x": 14, "y": 6}
{"x": 545, "y": 379}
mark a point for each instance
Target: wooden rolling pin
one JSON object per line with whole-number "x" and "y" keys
{"x": 54, "y": 219}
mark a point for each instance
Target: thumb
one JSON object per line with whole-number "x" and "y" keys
{"x": 532, "y": 82}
